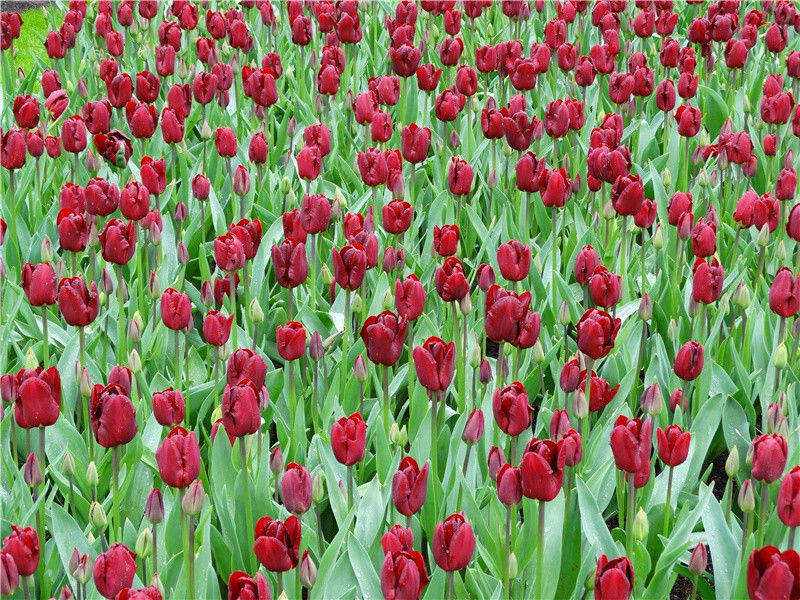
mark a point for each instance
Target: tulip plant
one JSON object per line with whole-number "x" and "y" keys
{"x": 412, "y": 299}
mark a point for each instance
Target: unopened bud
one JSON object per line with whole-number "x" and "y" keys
{"x": 651, "y": 400}
{"x": 31, "y": 362}
{"x": 254, "y": 311}
{"x": 154, "y": 507}
{"x": 308, "y": 571}
{"x": 580, "y": 408}
{"x": 641, "y": 526}
{"x": 134, "y": 361}
{"x": 360, "y": 369}
{"x": 780, "y": 356}
{"x": 645, "y": 308}
{"x": 68, "y": 464}
{"x": 747, "y": 501}
{"x": 732, "y": 462}
{"x": 91, "y": 474}
{"x": 538, "y": 352}
{"x": 46, "y": 250}
{"x": 698, "y": 560}
{"x": 194, "y": 498}
{"x": 763, "y": 236}
{"x": 465, "y": 305}
{"x": 135, "y": 327}
{"x": 315, "y": 349}
{"x": 564, "y": 316}
{"x": 144, "y": 543}
{"x": 32, "y": 472}
{"x": 318, "y": 486}
{"x": 97, "y": 516}
{"x": 276, "y": 460}
{"x": 658, "y": 238}
{"x": 474, "y": 355}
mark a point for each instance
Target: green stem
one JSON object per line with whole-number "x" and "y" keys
{"x": 46, "y": 341}
{"x": 177, "y": 360}
{"x": 539, "y": 550}
{"x": 386, "y": 409}
{"x": 121, "y": 351}
{"x": 117, "y": 529}
{"x": 668, "y": 505}
{"x": 631, "y": 508}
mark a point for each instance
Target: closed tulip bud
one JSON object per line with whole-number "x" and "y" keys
{"x": 134, "y": 361}
{"x": 658, "y": 238}
{"x": 254, "y": 312}
{"x": 318, "y": 486}
{"x": 465, "y": 305}
{"x": 485, "y": 372}
{"x": 194, "y": 498}
{"x": 608, "y": 211}
{"x": 80, "y": 566}
{"x": 564, "y": 316}
{"x": 32, "y": 472}
{"x": 698, "y": 560}
{"x": 31, "y": 362}
{"x": 474, "y": 355}
{"x": 732, "y": 462}
{"x": 91, "y": 474}
{"x": 308, "y": 571}
{"x": 154, "y": 507}
{"x": 85, "y": 383}
{"x": 747, "y": 500}
{"x": 645, "y": 308}
{"x": 205, "y": 131}
{"x": 538, "y": 352}
{"x": 580, "y": 407}
{"x": 641, "y": 526}
{"x": 780, "y": 356}
{"x": 144, "y": 543}
{"x": 360, "y": 369}
{"x": 651, "y": 401}
{"x": 491, "y": 180}
{"x": 394, "y": 433}
{"x": 672, "y": 329}
{"x": 473, "y": 429}
{"x": 68, "y": 464}
{"x": 46, "y": 250}
{"x": 97, "y": 516}
{"x": 513, "y": 567}
{"x": 135, "y": 327}
{"x": 763, "y": 236}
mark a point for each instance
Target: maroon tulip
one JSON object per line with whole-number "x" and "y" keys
{"x": 277, "y": 543}
{"x": 627, "y": 194}
{"x": 601, "y": 392}
{"x": 118, "y": 241}
{"x": 434, "y": 362}
{"x": 415, "y": 143}
{"x": 604, "y": 287}
{"x": 22, "y": 544}
{"x": 597, "y": 331}
{"x": 613, "y": 579}
{"x": 225, "y": 142}
{"x": 403, "y": 575}
{"x": 73, "y": 134}
{"x": 459, "y": 176}
{"x": 514, "y": 259}
{"x": 383, "y": 336}
{"x": 409, "y": 297}
{"x": 39, "y": 283}
{"x": 784, "y": 294}
{"x": 453, "y": 543}
{"x": 169, "y": 407}
{"x": 445, "y": 239}
{"x": 246, "y": 365}
{"x": 113, "y": 416}
{"x": 240, "y": 414}
{"x": 315, "y": 213}
{"x": 542, "y": 469}
{"x": 512, "y": 409}
{"x": 689, "y": 361}
{"x": 673, "y": 445}
{"x": 217, "y": 328}
{"x": 178, "y": 458}
{"x": 707, "y": 281}
{"x": 78, "y": 304}
{"x": 349, "y": 266}
{"x": 296, "y": 488}
{"x": 134, "y": 201}
{"x": 291, "y": 340}
{"x": 451, "y": 282}
{"x": 290, "y": 263}
{"x": 73, "y": 230}
{"x": 509, "y": 485}
{"x": 773, "y": 574}
{"x": 409, "y": 486}
{"x": 397, "y": 216}
{"x": 348, "y": 439}
{"x": 176, "y": 309}
{"x": 631, "y": 442}
{"x": 37, "y": 401}
{"x": 229, "y": 252}
{"x": 242, "y": 586}
{"x": 788, "y": 505}
{"x": 769, "y": 457}
{"x": 372, "y": 167}
{"x": 586, "y": 262}
{"x": 114, "y": 570}
{"x": 397, "y": 539}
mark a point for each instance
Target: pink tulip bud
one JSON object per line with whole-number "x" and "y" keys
{"x": 32, "y": 473}
{"x": 473, "y": 429}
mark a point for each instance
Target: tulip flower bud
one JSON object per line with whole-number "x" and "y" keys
{"x": 123, "y": 286}
{"x": 153, "y": 286}
{"x": 205, "y": 130}
{"x": 254, "y": 312}
{"x": 32, "y": 472}
{"x": 485, "y": 372}
{"x": 134, "y": 361}
{"x": 465, "y": 305}
{"x": 276, "y": 460}
{"x": 641, "y": 526}
{"x": 357, "y": 304}
{"x": 183, "y": 253}
{"x": 564, "y": 316}
{"x": 608, "y": 211}
{"x": 473, "y": 428}
{"x": 394, "y": 433}
{"x": 698, "y": 560}
{"x": 46, "y": 250}
{"x": 741, "y": 296}
{"x": 513, "y": 567}
{"x": 315, "y": 349}
{"x": 651, "y": 401}
{"x": 85, "y": 383}
{"x": 763, "y": 236}
{"x": 80, "y": 565}
{"x": 747, "y": 501}
{"x": 388, "y": 300}
{"x": 91, "y": 474}
{"x": 580, "y": 408}
{"x": 780, "y": 356}
{"x": 672, "y": 329}
{"x": 402, "y": 437}
{"x": 135, "y": 327}
{"x": 68, "y": 464}
{"x": 780, "y": 253}
{"x": 491, "y": 180}
{"x": 154, "y": 507}
{"x": 538, "y": 352}
{"x": 308, "y": 571}
{"x": 504, "y": 367}
{"x": 60, "y": 269}
{"x": 732, "y": 462}
{"x": 155, "y": 582}
{"x": 474, "y": 355}
{"x": 31, "y": 362}
{"x": 748, "y": 459}
{"x": 144, "y": 543}
{"x": 360, "y": 369}
{"x": 97, "y": 516}
{"x": 327, "y": 276}
{"x": 318, "y": 486}
{"x": 645, "y": 308}
{"x": 194, "y": 498}
{"x": 666, "y": 176}
{"x": 658, "y": 238}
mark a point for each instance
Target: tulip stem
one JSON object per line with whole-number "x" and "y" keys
{"x": 42, "y": 456}
{"x": 233, "y": 312}
{"x": 668, "y": 504}
{"x": 84, "y": 402}
{"x": 450, "y": 585}
{"x": 176, "y": 357}
{"x": 190, "y": 559}
{"x": 539, "y": 550}
{"x": 631, "y": 508}
{"x": 507, "y": 574}
{"x": 115, "y": 498}
{"x": 155, "y": 549}
{"x": 246, "y": 475}
{"x": 762, "y": 513}
{"x": 434, "y": 432}
{"x": 350, "y": 498}
{"x": 121, "y": 352}
{"x": 46, "y": 341}
{"x": 746, "y": 523}
{"x": 386, "y": 413}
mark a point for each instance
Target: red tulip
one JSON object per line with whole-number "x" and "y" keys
{"x": 315, "y": 213}
{"x": 769, "y": 457}
{"x": 169, "y": 407}
{"x": 445, "y": 239}
{"x": 78, "y": 304}
{"x": 512, "y": 409}
{"x": 277, "y": 543}
{"x": 348, "y": 439}
{"x": 409, "y": 297}
{"x": 118, "y": 241}
{"x": 217, "y": 328}
{"x": 113, "y": 416}
{"x": 788, "y": 505}
{"x": 773, "y": 574}
{"x": 242, "y": 586}
{"x": 114, "y": 570}
{"x": 631, "y": 442}
{"x": 613, "y": 579}
{"x": 296, "y": 488}
{"x": 451, "y": 282}
{"x": 509, "y": 485}
{"x": 514, "y": 260}
{"x": 784, "y": 294}
{"x": 403, "y": 575}
{"x": 673, "y": 445}
{"x": 245, "y": 367}
{"x": 597, "y": 331}
{"x": 291, "y": 340}
{"x": 39, "y": 283}
{"x": 37, "y": 402}
{"x": 22, "y": 544}
{"x": 453, "y": 543}
{"x": 604, "y": 287}
{"x": 176, "y": 309}
{"x": 384, "y": 336}
{"x": 689, "y": 361}
{"x": 434, "y": 362}
{"x": 240, "y": 414}
{"x": 409, "y": 486}
{"x": 459, "y": 176}
{"x": 178, "y": 458}
{"x": 542, "y": 469}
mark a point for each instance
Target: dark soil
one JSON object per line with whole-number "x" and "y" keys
{"x": 22, "y": 5}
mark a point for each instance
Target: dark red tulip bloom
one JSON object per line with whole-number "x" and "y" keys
{"x": 147, "y": 86}
{"x": 118, "y": 241}
{"x": 39, "y": 283}
{"x": 586, "y": 262}
{"x": 788, "y": 505}
{"x": 428, "y": 77}
{"x": 409, "y": 486}
{"x": 445, "y": 239}
{"x": 73, "y": 134}
{"x": 349, "y": 266}
{"x": 291, "y": 340}
{"x": 315, "y": 213}
{"x": 773, "y": 574}
{"x": 509, "y": 485}
{"x": 769, "y": 457}
{"x": 451, "y": 282}
{"x": 397, "y": 216}
{"x": 115, "y": 147}
{"x": 225, "y": 142}
{"x": 572, "y": 448}
{"x": 296, "y": 488}
{"x": 415, "y": 143}
{"x": 397, "y": 539}
{"x": 372, "y": 167}
{"x": 571, "y": 376}
{"x": 229, "y": 252}
{"x": 73, "y": 230}
{"x": 217, "y": 328}
{"x": 240, "y": 414}
{"x": 258, "y": 150}
{"x": 627, "y": 194}
{"x": 542, "y": 469}
{"x": 348, "y": 439}
{"x": 176, "y": 309}
{"x": 37, "y": 402}
{"x": 403, "y": 575}
{"x": 673, "y": 445}
{"x": 689, "y": 120}
{"x": 689, "y": 361}
{"x": 12, "y": 149}
{"x": 154, "y": 175}
{"x": 514, "y": 259}
{"x": 434, "y": 362}
{"x": 178, "y": 458}
{"x": 23, "y": 546}
{"x": 26, "y": 111}
{"x": 242, "y": 586}
{"x": 383, "y": 336}
{"x": 707, "y": 281}
{"x": 646, "y": 215}
{"x": 604, "y": 287}
{"x": 134, "y": 201}
{"x": 169, "y": 407}
{"x": 78, "y": 304}
{"x": 122, "y": 377}
{"x": 113, "y": 416}
{"x": 405, "y": 59}
{"x": 512, "y": 409}
{"x": 508, "y": 318}
{"x": 245, "y": 366}
{"x": 704, "y": 238}
{"x": 601, "y": 392}
{"x": 631, "y": 444}
{"x": 554, "y": 187}
{"x": 784, "y": 293}
{"x": 114, "y": 570}
{"x": 459, "y": 176}
{"x": 318, "y": 135}
{"x": 277, "y": 543}
{"x": 290, "y": 263}
{"x": 597, "y": 331}
{"x": 142, "y": 119}
{"x": 309, "y": 163}
{"x": 409, "y": 297}
{"x": 453, "y": 543}
{"x": 613, "y": 579}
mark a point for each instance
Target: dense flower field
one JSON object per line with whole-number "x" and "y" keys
{"x": 363, "y": 299}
